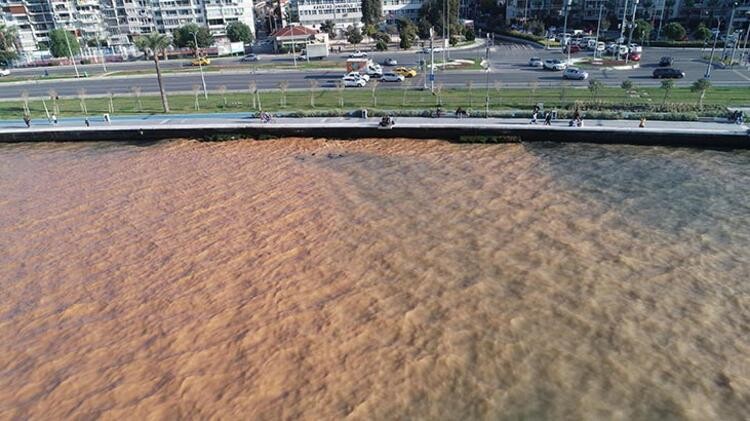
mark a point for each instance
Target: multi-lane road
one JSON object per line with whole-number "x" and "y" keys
{"x": 509, "y": 66}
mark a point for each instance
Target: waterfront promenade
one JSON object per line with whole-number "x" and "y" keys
{"x": 154, "y": 127}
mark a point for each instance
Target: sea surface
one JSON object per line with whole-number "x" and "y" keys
{"x": 374, "y": 280}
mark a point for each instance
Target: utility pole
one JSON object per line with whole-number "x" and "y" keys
{"x": 622, "y": 28}
{"x": 70, "y": 51}
{"x": 711, "y": 59}
{"x": 101, "y": 54}
{"x": 632, "y": 27}
{"x": 744, "y": 46}
{"x": 598, "y": 24}
{"x": 200, "y": 65}
{"x": 445, "y": 27}
{"x": 487, "y": 79}
{"x": 294, "y": 53}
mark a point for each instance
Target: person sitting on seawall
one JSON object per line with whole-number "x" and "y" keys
{"x": 461, "y": 113}
{"x": 387, "y": 121}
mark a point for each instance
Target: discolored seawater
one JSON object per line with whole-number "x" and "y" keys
{"x": 376, "y": 279}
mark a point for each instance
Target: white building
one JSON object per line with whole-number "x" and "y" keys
{"x": 312, "y": 13}
{"x": 394, "y": 9}
{"x": 219, "y": 13}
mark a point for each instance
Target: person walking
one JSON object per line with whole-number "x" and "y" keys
{"x": 642, "y": 124}
{"x": 27, "y": 120}
{"x": 548, "y": 119}
{"x": 533, "y": 117}
{"x": 86, "y": 121}
{"x": 54, "y": 119}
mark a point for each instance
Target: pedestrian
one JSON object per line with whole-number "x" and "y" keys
{"x": 27, "y": 120}
{"x": 579, "y": 122}
{"x": 642, "y": 124}
{"x": 54, "y": 119}
{"x": 106, "y": 119}
{"x": 548, "y": 119}
{"x": 533, "y": 117}
{"x": 86, "y": 121}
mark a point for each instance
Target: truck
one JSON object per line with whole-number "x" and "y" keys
{"x": 358, "y": 64}
{"x": 317, "y": 51}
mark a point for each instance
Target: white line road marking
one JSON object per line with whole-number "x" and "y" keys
{"x": 741, "y": 75}
{"x": 164, "y": 121}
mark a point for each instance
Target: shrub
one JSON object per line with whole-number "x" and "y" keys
{"x": 381, "y": 45}
{"x": 675, "y": 31}
{"x": 469, "y": 35}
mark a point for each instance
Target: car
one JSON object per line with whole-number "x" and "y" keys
{"x": 390, "y": 62}
{"x": 600, "y": 46}
{"x": 358, "y": 54}
{"x": 353, "y": 82}
{"x": 575, "y": 73}
{"x": 392, "y": 77}
{"x": 554, "y": 64}
{"x": 4, "y": 72}
{"x": 666, "y": 61}
{"x": 634, "y": 56}
{"x": 358, "y": 75}
{"x": 536, "y": 62}
{"x": 668, "y": 73}
{"x": 635, "y": 48}
{"x": 249, "y": 57}
{"x": 201, "y": 61}
{"x": 573, "y": 48}
{"x": 405, "y": 71}
{"x": 374, "y": 71}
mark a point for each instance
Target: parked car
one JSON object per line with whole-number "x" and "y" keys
{"x": 201, "y": 61}
{"x": 634, "y": 56}
{"x": 575, "y": 73}
{"x": 611, "y": 48}
{"x": 353, "y": 82}
{"x": 666, "y": 61}
{"x": 392, "y": 77}
{"x": 668, "y": 73}
{"x": 600, "y": 46}
{"x": 405, "y": 71}
{"x": 4, "y": 72}
{"x": 249, "y": 57}
{"x": 358, "y": 75}
{"x": 536, "y": 62}
{"x": 390, "y": 62}
{"x": 554, "y": 64}
{"x": 573, "y": 49}
{"x": 635, "y": 48}
{"x": 358, "y": 54}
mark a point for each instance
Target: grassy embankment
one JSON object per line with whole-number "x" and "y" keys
{"x": 609, "y": 103}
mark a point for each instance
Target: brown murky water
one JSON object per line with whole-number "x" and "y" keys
{"x": 375, "y": 280}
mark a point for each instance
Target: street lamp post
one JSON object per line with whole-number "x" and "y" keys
{"x": 487, "y": 78}
{"x": 729, "y": 30}
{"x": 661, "y": 19}
{"x": 632, "y": 26}
{"x": 622, "y": 28}
{"x": 713, "y": 48}
{"x": 598, "y": 23}
{"x": 200, "y": 65}
{"x": 565, "y": 28}
{"x": 744, "y": 46}
{"x": 432, "y": 62}
{"x": 70, "y": 51}
{"x": 101, "y": 54}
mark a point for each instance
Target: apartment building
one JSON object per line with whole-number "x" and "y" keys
{"x": 344, "y": 13}
{"x": 395, "y": 9}
{"x": 33, "y": 19}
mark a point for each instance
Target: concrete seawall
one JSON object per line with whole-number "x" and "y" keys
{"x": 468, "y": 130}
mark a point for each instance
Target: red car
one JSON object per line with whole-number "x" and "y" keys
{"x": 573, "y": 49}
{"x": 634, "y": 57}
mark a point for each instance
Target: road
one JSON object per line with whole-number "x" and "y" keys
{"x": 508, "y": 66}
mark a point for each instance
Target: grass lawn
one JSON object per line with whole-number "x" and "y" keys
{"x": 388, "y": 99}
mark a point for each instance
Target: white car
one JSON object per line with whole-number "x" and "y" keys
{"x": 358, "y": 75}
{"x": 635, "y": 48}
{"x": 536, "y": 62}
{"x": 575, "y": 73}
{"x": 554, "y": 64}
{"x": 600, "y": 46}
{"x": 392, "y": 77}
{"x": 358, "y": 54}
{"x": 4, "y": 72}
{"x": 374, "y": 71}
{"x": 353, "y": 82}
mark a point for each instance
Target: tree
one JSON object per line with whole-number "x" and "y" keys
{"x": 703, "y": 33}
{"x": 405, "y": 43}
{"x": 283, "y": 86}
{"x": 433, "y": 12}
{"x": 469, "y": 35}
{"x": 370, "y": 30}
{"x": 453, "y": 41}
{"x": 382, "y": 36}
{"x": 667, "y": 85}
{"x": 674, "y": 31}
{"x": 313, "y": 89}
{"x": 372, "y": 11}
{"x": 642, "y": 30}
{"x": 155, "y": 43}
{"x": 423, "y": 28}
{"x": 381, "y": 45}
{"x": 329, "y": 27}
{"x": 183, "y": 36}
{"x": 594, "y": 87}
{"x": 407, "y": 31}
{"x": 8, "y": 37}
{"x": 58, "y": 46}
{"x": 627, "y": 86}
{"x": 701, "y": 85}
{"x": 353, "y": 35}
{"x": 238, "y": 31}
{"x": 536, "y": 27}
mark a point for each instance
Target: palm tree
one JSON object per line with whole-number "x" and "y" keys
{"x": 8, "y": 37}
{"x": 155, "y": 43}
